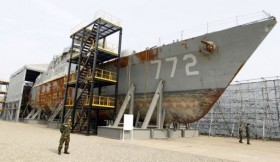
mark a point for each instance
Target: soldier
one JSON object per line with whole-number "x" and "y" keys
{"x": 248, "y": 133}
{"x": 240, "y": 133}
{"x": 65, "y": 136}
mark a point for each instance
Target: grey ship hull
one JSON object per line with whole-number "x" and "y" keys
{"x": 194, "y": 77}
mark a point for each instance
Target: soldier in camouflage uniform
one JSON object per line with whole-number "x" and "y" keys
{"x": 248, "y": 133}
{"x": 65, "y": 136}
{"x": 240, "y": 133}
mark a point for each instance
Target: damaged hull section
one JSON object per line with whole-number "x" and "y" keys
{"x": 180, "y": 107}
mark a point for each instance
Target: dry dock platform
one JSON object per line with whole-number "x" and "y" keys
{"x": 20, "y": 142}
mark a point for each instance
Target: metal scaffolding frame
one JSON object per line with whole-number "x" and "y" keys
{"x": 3, "y": 95}
{"x": 89, "y": 53}
{"x": 253, "y": 101}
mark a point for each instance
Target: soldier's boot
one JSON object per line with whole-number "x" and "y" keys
{"x": 59, "y": 151}
{"x": 66, "y": 151}
{"x": 240, "y": 139}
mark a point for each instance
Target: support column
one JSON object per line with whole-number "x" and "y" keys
{"x": 128, "y": 98}
{"x": 93, "y": 74}
{"x": 131, "y": 103}
{"x": 159, "y": 111}
{"x": 211, "y": 120}
{"x": 152, "y": 105}
{"x": 67, "y": 86}
{"x": 118, "y": 67}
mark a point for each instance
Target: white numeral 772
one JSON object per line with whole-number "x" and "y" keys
{"x": 174, "y": 59}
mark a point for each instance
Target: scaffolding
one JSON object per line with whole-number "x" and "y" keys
{"x": 3, "y": 94}
{"x": 253, "y": 101}
{"x": 90, "y": 50}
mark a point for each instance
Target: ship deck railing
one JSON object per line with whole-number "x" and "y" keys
{"x": 97, "y": 101}
{"x": 210, "y": 27}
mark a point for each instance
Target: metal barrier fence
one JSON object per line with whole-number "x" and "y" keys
{"x": 254, "y": 101}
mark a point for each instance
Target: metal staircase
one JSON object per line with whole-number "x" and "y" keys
{"x": 89, "y": 77}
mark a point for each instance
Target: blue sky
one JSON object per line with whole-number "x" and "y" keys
{"x": 33, "y": 31}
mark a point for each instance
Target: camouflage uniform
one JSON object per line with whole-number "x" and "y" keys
{"x": 240, "y": 134}
{"x": 248, "y": 133}
{"x": 65, "y": 130}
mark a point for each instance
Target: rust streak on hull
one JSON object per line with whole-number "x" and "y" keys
{"x": 49, "y": 95}
{"x": 181, "y": 107}
{"x": 147, "y": 55}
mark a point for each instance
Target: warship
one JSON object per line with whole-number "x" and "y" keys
{"x": 195, "y": 72}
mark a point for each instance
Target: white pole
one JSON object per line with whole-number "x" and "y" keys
{"x": 212, "y": 112}
{"x": 232, "y": 129}
{"x": 264, "y": 129}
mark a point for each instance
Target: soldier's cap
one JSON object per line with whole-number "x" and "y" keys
{"x": 248, "y": 124}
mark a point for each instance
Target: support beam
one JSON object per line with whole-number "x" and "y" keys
{"x": 38, "y": 112}
{"x": 11, "y": 114}
{"x": 8, "y": 114}
{"x": 211, "y": 120}
{"x": 159, "y": 111}
{"x": 162, "y": 119}
{"x": 67, "y": 83}
{"x": 118, "y": 70}
{"x": 128, "y": 97}
{"x": 137, "y": 119}
{"x": 57, "y": 111}
{"x": 131, "y": 102}
{"x": 30, "y": 114}
{"x": 68, "y": 113}
{"x": 153, "y": 104}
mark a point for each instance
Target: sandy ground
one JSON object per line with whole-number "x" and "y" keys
{"x": 33, "y": 142}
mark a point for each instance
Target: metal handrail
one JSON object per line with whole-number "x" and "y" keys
{"x": 208, "y": 27}
{"x": 99, "y": 14}
{"x": 103, "y": 74}
{"x": 110, "y": 47}
{"x": 100, "y": 101}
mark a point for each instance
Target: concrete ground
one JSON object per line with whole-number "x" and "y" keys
{"x": 21, "y": 142}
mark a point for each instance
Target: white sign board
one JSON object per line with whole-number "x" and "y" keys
{"x": 128, "y": 122}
